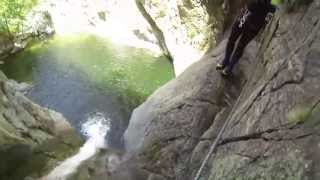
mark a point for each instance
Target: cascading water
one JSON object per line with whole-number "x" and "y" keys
{"x": 96, "y": 129}
{"x": 94, "y": 84}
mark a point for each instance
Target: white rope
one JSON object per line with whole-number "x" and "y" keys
{"x": 214, "y": 146}
{"x": 212, "y": 149}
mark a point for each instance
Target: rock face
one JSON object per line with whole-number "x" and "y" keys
{"x": 182, "y": 21}
{"x": 32, "y": 139}
{"x": 6, "y": 45}
{"x": 272, "y": 103}
{"x": 107, "y": 164}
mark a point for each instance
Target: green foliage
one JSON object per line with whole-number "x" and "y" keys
{"x": 292, "y": 5}
{"x": 12, "y": 14}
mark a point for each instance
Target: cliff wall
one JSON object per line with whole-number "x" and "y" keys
{"x": 272, "y": 103}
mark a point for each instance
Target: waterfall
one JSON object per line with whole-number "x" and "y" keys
{"x": 96, "y": 128}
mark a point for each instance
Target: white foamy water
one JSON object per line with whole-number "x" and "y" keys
{"x": 96, "y": 128}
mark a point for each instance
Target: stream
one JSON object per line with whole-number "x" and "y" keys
{"x": 92, "y": 81}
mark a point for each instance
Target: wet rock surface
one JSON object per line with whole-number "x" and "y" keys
{"x": 32, "y": 139}
{"x": 272, "y": 103}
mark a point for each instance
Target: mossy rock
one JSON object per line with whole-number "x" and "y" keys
{"x": 236, "y": 167}
{"x": 305, "y": 115}
{"x": 22, "y": 160}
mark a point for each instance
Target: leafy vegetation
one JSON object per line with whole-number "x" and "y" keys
{"x": 12, "y": 15}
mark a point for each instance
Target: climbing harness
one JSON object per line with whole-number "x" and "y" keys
{"x": 244, "y": 17}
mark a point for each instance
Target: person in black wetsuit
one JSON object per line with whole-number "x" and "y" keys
{"x": 251, "y": 20}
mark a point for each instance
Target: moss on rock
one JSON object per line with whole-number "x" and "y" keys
{"x": 236, "y": 167}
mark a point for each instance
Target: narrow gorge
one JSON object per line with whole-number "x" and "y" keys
{"x": 135, "y": 94}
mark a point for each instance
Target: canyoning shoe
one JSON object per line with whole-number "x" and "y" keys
{"x": 226, "y": 72}
{"x": 219, "y": 66}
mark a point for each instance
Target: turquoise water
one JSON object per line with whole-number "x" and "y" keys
{"x": 80, "y": 75}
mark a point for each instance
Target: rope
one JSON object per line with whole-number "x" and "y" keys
{"x": 214, "y": 146}
{"x": 212, "y": 149}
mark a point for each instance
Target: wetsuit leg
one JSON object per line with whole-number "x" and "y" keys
{"x": 246, "y": 37}
{"x": 235, "y": 34}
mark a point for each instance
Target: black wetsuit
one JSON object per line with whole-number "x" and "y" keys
{"x": 248, "y": 24}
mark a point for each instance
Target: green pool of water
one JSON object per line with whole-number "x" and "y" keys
{"x": 131, "y": 72}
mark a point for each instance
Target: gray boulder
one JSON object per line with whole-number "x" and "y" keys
{"x": 32, "y": 139}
